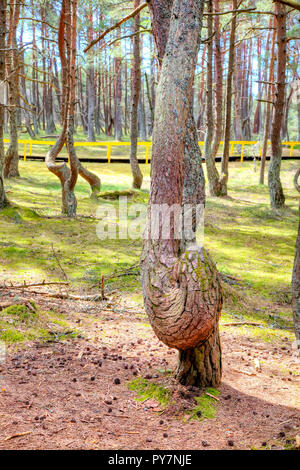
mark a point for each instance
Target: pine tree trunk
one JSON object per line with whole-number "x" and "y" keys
{"x": 218, "y": 84}
{"x": 212, "y": 172}
{"x": 135, "y": 94}
{"x": 181, "y": 285}
{"x": 268, "y": 110}
{"x": 118, "y": 99}
{"x": 277, "y": 198}
{"x": 11, "y": 167}
{"x": 202, "y": 366}
{"x": 90, "y": 84}
{"x": 296, "y": 278}
{"x": 3, "y": 200}
{"x": 225, "y": 157}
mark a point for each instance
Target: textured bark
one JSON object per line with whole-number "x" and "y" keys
{"x": 3, "y": 200}
{"x": 203, "y": 365}
{"x": 181, "y": 284}
{"x": 67, "y": 49}
{"x": 268, "y": 110}
{"x": 218, "y": 84}
{"x": 225, "y": 157}
{"x": 142, "y": 118}
{"x": 212, "y": 172}
{"x": 90, "y": 82}
{"x": 135, "y": 94}
{"x": 26, "y": 112}
{"x": 296, "y": 277}
{"x": 118, "y": 98}
{"x": 11, "y": 167}
{"x": 277, "y": 198}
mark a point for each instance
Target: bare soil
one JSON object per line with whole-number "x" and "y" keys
{"x": 73, "y": 394}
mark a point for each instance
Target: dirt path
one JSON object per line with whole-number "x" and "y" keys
{"x": 73, "y": 394}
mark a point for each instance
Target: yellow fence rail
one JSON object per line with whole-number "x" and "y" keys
{"x": 109, "y": 145}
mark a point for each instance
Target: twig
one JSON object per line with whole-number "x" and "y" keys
{"x": 102, "y": 285}
{"x": 252, "y": 323}
{"x": 58, "y": 262}
{"x": 125, "y": 272}
{"x": 17, "y": 435}
{"x": 212, "y": 396}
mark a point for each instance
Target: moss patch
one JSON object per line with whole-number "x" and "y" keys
{"x": 25, "y": 322}
{"x": 206, "y": 407}
{"x": 150, "y": 390}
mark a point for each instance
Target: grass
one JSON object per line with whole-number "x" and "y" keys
{"x": 246, "y": 239}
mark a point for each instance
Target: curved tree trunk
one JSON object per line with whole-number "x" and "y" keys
{"x": 67, "y": 49}
{"x": 296, "y": 278}
{"x": 68, "y": 176}
{"x": 181, "y": 285}
{"x": 277, "y": 198}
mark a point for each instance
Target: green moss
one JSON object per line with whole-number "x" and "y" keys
{"x": 20, "y": 323}
{"x": 11, "y": 335}
{"x": 149, "y": 390}
{"x": 21, "y": 312}
{"x": 206, "y": 406}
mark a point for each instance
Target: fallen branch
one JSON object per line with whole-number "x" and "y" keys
{"x": 92, "y": 298}
{"x": 25, "y": 285}
{"x": 251, "y": 323}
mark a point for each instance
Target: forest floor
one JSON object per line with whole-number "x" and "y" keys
{"x": 80, "y": 374}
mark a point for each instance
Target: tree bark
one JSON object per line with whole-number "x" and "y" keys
{"x": 135, "y": 94}
{"x": 118, "y": 98}
{"x": 91, "y": 85}
{"x": 212, "y": 172}
{"x": 277, "y": 198}
{"x": 11, "y": 167}
{"x": 225, "y": 157}
{"x": 218, "y": 84}
{"x": 67, "y": 48}
{"x": 3, "y": 200}
{"x": 180, "y": 284}
{"x": 202, "y": 366}
{"x": 296, "y": 277}
{"x": 268, "y": 110}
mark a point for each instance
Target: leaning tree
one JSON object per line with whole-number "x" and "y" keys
{"x": 181, "y": 285}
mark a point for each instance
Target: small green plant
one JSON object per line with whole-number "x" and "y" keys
{"x": 150, "y": 390}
